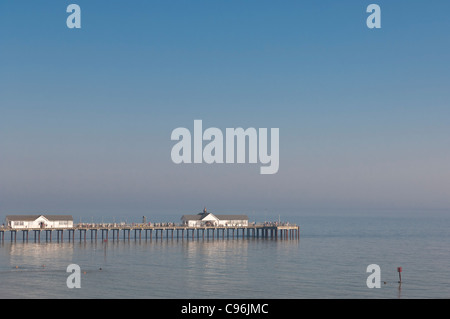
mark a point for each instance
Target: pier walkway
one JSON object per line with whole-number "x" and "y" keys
{"x": 144, "y": 231}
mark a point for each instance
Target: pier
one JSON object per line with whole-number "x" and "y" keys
{"x": 118, "y": 232}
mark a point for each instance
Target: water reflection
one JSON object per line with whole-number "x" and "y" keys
{"x": 210, "y": 264}
{"x": 163, "y": 268}
{"x": 36, "y": 254}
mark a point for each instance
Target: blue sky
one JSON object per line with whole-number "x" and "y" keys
{"x": 86, "y": 115}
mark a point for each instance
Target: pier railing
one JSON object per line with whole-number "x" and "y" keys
{"x": 158, "y": 231}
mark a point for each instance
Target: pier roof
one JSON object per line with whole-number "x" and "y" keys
{"x": 232, "y": 217}
{"x": 220, "y": 217}
{"x": 34, "y": 217}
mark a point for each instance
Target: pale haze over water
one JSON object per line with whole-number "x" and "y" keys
{"x": 329, "y": 261}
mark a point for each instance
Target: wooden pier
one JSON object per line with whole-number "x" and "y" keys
{"x": 147, "y": 232}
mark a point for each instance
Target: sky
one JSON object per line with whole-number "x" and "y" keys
{"x": 86, "y": 114}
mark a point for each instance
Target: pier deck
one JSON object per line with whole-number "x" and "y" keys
{"x": 143, "y": 231}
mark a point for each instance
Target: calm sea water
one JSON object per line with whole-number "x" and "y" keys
{"x": 329, "y": 261}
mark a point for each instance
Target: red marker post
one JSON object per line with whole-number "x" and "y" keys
{"x": 399, "y": 270}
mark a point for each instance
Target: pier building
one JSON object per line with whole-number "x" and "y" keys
{"x": 39, "y": 221}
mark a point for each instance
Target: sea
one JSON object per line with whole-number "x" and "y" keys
{"x": 330, "y": 260}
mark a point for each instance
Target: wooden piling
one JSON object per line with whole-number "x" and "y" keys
{"x": 283, "y": 232}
